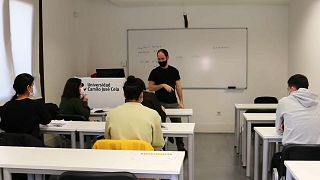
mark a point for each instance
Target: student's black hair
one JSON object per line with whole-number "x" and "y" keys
{"x": 298, "y": 81}
{"x": 131, "y": 89}
{"x": 141, "y": 83}
{"x": 71, "y": 89}
{"x": 20, "y": 84}
{"x": 164, "y": 51}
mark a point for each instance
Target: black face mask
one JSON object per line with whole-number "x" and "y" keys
{"x": 163, "y": 63}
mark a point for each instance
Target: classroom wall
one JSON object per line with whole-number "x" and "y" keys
{"x": 59, "y": 46}
{"x": 304, "y": 38}
{"x": 99, "y": 31}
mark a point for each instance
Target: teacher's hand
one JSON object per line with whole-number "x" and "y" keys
{"x": 167, "y": 88}
{"x": 180, "y": 105}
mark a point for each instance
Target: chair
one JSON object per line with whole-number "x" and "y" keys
{"x": 71, "y": 117}
{"x": 305, "y": 152}
{"x": 122, "y": 145}
{"x": 78, "y": 175}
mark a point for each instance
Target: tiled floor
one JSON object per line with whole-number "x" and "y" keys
{"x": 215, "y": 158}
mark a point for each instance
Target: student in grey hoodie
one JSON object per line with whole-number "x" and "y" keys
{"x": 297, "y": 117}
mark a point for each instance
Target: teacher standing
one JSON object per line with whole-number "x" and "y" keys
{"x": 165, "y": 81}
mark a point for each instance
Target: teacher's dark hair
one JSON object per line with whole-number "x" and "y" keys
{"x": 131, "y": 89}
{"x": 71, "y": 89}
{"x": 164, "y": 51}
{"x": 298, "y": 81}
{"x": 20, "y": 84}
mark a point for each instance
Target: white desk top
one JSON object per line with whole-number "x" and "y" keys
{"x": 179, "y": 112}
{"x": 256, "y": 106}
{"x": 170, "y": 128}
{"x": 151, "y": 162}
{"x": 259, "y": 116}
{"x": 268, "y": 132}
{"x": 303, "y": 170}
{"x": 59, "y": 125}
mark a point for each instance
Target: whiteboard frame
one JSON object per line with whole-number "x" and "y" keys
{"x": 195, "y": 88}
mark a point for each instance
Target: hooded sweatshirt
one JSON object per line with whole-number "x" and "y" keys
{"x": 300, "y": 114}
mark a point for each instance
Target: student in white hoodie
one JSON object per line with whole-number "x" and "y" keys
{"x": 297, "y": 116}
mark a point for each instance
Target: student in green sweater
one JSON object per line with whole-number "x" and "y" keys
{"x": 132, "y": 120}
{"x": 72, "y": 102}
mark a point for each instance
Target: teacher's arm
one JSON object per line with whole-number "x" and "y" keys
{"x": 154, "y": 87}
{"x": 179, "y": 92}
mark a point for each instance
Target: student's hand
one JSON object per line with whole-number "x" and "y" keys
{"x": 167, "y": 88}
{"x": 85, "y": 99}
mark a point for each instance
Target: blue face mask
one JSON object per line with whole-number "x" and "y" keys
{"x": 163, "y": 63}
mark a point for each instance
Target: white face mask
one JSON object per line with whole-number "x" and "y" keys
{"x": 82, "y": 92}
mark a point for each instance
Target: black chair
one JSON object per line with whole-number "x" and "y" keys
{"x": 71, "y": 117}
{"x": 296, "y": 152}
{"x": 80, "y": 175}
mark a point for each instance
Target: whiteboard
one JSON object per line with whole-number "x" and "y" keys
{"x": 205, "y": 57}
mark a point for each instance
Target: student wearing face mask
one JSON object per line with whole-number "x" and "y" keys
{"x": 73, "y": 99}
{"x": 165, "y": 81}
{"x": 22, "y": 114}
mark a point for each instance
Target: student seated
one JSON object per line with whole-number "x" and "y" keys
{"x": 298, "y": 115}
{"x": 73, "y": 100}
{"x": 132, "y": 120}
{"x": 22, "y": 114}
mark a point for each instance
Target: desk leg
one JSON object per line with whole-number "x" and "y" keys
{"x": 81, "y": 139}
{"x": 73, "y": 140}
{"x": 6, "y": 174}
{"x": 237, "y": 130}
{"x": 265, "y": 160}
{"x": 288, "y": 175}
{"x": 243, "y": 144}
{"x": 1, "y": 174}
{"x": 191, "y": 156}
{"x": 248, "y": 149}
{"x": 256, "y": 157}
{"x": 181, "y": 173}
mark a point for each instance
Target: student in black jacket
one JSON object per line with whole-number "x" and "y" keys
{"x": 22, "y": 114}
{"x": 151, "y": 101}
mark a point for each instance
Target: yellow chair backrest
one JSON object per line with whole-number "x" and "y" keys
{"x": 122, "y": 145}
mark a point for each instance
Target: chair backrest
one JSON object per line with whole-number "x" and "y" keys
{"x": 264, "y": 100}
{"x": 19, "y": 139}
{"x": 305, "y": 152}
{"x": 122, "y": 145}
{"x": 78, "y": 175}
{"x": 71, "y": 117}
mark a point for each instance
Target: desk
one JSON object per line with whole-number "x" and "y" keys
{"x": 171, "y": 130}
{"x": 58, "y": 160}
{"x": 169, "y": 112}
{"x": 237, "y": 123}
{"x": 268, "y": 135}
{"x": 68, "y": 129}
{"x": 249, "y": 119}
{"x": 302, "y": 170}
{"x": 98, "y": 128}
{"x": 180, "y": 113}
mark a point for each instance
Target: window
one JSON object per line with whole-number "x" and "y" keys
{"x": 19, "y": 43}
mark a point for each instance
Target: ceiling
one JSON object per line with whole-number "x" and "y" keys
{"x": 193, "y": 2}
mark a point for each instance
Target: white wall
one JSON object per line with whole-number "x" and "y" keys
{"x": 59, "y": 54}
{"x": 304, "y": 40}
{"x": 100, "y": 40}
